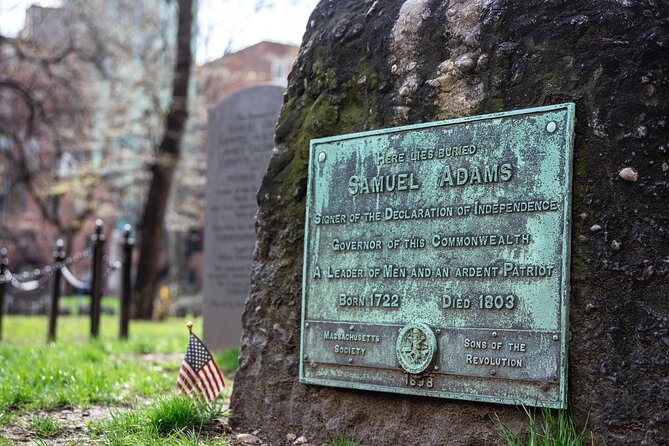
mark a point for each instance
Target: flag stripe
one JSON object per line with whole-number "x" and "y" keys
{"x": 184, "y": 386}
{"x": 202, "y": 389}
{"x": 189, "y": 377}
{"x": 185, "y": 381}
{"x": 211, "y": 385}
{"x": 217, "y": 376}
{"x": 186, "y": 368}
{"x": 204, "y": 379}
{"x": 212, "y": 377}
{"x": 181, "y": 381}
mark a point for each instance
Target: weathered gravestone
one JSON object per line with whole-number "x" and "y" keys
{"x": 370, "y": 65}
{"x": 240, "y": 132}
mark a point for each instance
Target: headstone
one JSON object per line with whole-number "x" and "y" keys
{"x": 240, "y": 132}
{"x": 376, "y": 65}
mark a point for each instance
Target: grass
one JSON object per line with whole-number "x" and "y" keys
{"x": 169, "y": 420}
{"x": 227, "y": 360}
{"x": 79, "y": 372}
{"x": 167, "y": 336}
{"x": 72, "y": 303}
{"x": 177, "y": 414}
{"x": 44, "y": 427}
{"x": 343, "y": 440}
{"x": 76, "y": 371}
{"x": 550, "y": 428}
{"x": 6, "y": 418}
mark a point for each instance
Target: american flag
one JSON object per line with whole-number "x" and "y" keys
{"x": 199, "y": 372}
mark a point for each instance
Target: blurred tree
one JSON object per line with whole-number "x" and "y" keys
{"x": 82, "y": 101}
{"x": 163, "y": 168}
{"x": 43, "y": 124}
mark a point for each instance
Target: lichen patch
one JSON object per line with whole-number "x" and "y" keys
{"x": 457, "y": 81}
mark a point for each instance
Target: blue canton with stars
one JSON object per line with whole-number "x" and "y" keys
{"x": 197, "y": 355}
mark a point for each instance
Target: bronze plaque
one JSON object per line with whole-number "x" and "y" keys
{"x": 436, "y": 258}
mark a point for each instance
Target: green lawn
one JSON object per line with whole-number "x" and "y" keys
{"x": 72, "y": 303}
{"x": 78, "y": 372}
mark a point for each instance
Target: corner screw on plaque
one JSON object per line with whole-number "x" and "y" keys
{"x": 551, "y": 127}
{"x": 492, "y": 372}
{"x": 321, "y": 157}
{"x": 306, "y": 356}
{"x": 494, "y": 334}
{"x": 555, "y": 337}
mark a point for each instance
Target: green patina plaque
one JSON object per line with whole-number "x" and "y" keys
{"x": 436, "y": 258}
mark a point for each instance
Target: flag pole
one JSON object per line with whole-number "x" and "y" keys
{"x": 189, "y": 325}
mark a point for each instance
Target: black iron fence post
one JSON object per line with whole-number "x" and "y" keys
{"x": 58, "y": 257}
{"x": 98, "y": 240}
{"x": 126, "y": 284}
{"x": 4, "y": 262}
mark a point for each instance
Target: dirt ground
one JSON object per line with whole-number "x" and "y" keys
{"x": 76, "y": 428}
{"x": 76, "y": 422}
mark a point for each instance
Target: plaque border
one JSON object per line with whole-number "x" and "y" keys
{"x": 561, "y": 403}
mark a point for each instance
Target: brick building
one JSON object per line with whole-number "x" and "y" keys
{"x": 262, "y": 63}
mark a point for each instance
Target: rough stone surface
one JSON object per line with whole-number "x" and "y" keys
{"x": 248, "y": 439}
{"x": 371, "y": 64}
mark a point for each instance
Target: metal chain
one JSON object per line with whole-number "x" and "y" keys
{"x": 29, "y": 275}
{"x": 72, "y": 279}
{"x": 26, "y": 280}
{"x": 86, "y": 253}
{"x": 30, "y": 285}
{"x": 30, "y": 281}
{"x": 111, "y": 267}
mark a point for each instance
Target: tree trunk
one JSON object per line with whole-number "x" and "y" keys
{"x": 151, "y": 226}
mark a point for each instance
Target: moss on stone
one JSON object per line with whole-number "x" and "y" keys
{"x": 337, "y": 108}
{"x": 491, "y": 105}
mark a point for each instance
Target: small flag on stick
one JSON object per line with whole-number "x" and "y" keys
{"x": 199, "y": 373}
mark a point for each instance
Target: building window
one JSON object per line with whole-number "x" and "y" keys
{"x": 279, "y": 71}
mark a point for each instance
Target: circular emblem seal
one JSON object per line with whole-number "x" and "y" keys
{"x": 416, "y": 345}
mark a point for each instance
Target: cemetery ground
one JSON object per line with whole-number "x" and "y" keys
{"x": 104, "y": 391}
{"x": 121, "y": 392}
